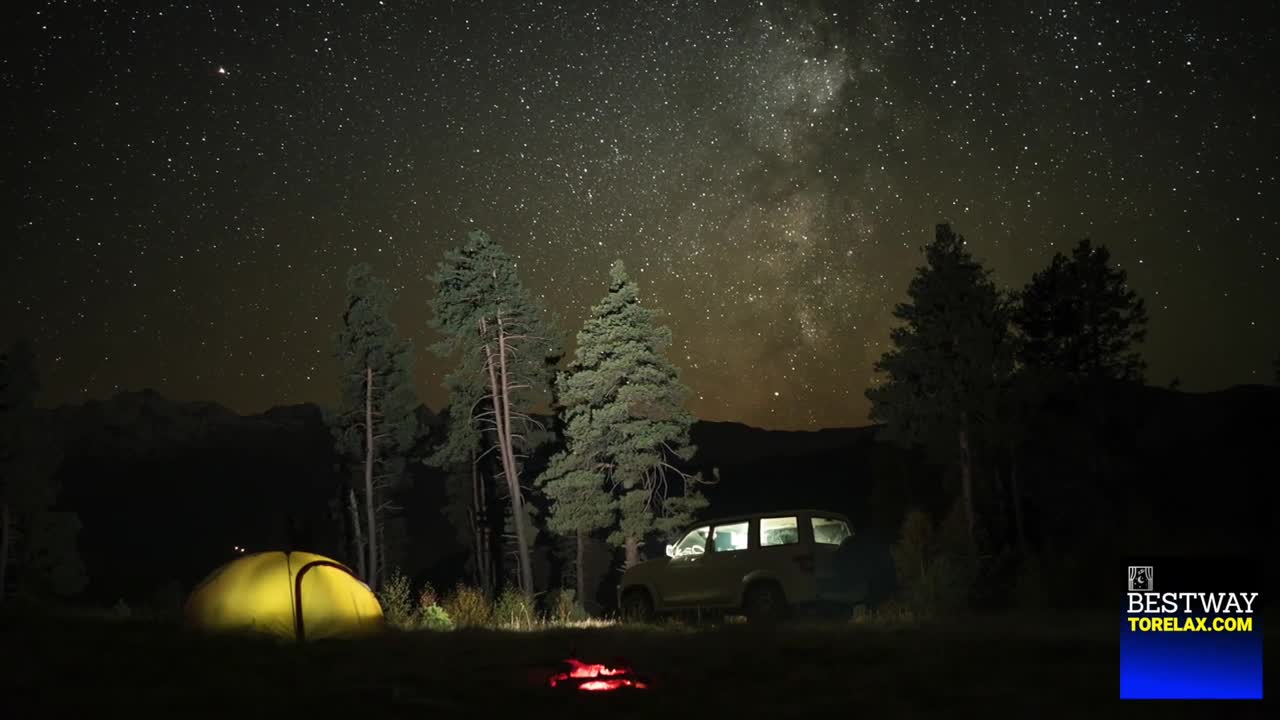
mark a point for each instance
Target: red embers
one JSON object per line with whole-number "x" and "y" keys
{"x": 594, "y": 677}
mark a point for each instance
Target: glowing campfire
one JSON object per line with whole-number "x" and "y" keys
{"x": 594, "y": 677}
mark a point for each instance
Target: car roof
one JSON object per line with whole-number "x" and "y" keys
{"x": 769, "y": 513}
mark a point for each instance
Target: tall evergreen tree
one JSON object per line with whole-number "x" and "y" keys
{"x": 949, "y": 359}
{"x": 506, "y": 353}
{"x": 375, "y": 425}
{"x": 626, "y": 428}
{"x": 1079, "y": 324}
{"x": 1080, "y": 318}
{"x": 579, "y": 502}
{"x": 37, "y": 542}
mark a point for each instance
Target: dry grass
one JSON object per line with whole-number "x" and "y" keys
{"x": 541, "y": 625}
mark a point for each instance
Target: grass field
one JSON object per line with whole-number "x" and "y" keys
{"x": 1066, "y": 667}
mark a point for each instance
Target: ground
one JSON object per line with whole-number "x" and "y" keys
{"x": 1066, "y": 667}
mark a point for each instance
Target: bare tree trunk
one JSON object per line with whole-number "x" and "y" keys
{"x": 966, "y": 485}
{"x": 1016, "y": 491}
{"x": 495, "y": 389}
{"x": 369, "y": 506}
{"x": 1000, "y": 513}
{"x": 632, "y": 548}
{"x": 383, "y": 553}
{"x": 501, "y": 396}
{"x": 473, "y": 526}
{"x": 486, "y": 537}
{"x": 522, "y": 531}
{"x": 480, "y": 529}
{"x": 473, "y": 520}
{"x": 582, "y": 568}
{"x": 4, "y": 551}
{"x": 358, "y": 539}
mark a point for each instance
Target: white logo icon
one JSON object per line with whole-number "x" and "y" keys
{"x": 1140, "y": 578}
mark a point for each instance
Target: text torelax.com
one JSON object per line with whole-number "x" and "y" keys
{"x": 1151, "y": 603}
{"x": 1190, "y": 624}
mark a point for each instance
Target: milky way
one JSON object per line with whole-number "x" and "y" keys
{"x": 188, "y": 184}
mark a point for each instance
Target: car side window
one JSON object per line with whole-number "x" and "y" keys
{"x": 779, "y": 531}
{"x": 693, "y": 543}
{"x": 829, "y": 531}
{"x": 728, "y": 538}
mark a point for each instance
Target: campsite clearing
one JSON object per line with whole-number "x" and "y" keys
{"x": 116, "y": 668}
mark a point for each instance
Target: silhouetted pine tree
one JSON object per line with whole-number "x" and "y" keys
{"x": 948, "y": 361}
{"x": 1079, "y": 323}
{"x": 1080, "y": 318}
{"x": 37, "y": 543}
{"x": 506, "y": 354}
{"x": 626, "y": 429}
{"x": 375, "y": 425}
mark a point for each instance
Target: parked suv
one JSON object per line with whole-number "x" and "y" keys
{"x": 761, "y": 565}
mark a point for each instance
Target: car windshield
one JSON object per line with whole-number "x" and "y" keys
{"x": 830, "y": 531}
{"x": 695, "y": 543}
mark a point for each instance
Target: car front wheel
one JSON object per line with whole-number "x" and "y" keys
{"x": 637, "y": 606}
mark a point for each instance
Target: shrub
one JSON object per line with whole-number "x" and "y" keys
{"x": 936, "y": 567}
{"x": 945, "y": 588}
{"x": 514, "y": 611}
{"x": 563, "y": 607}
{"x": 468, "y": 607}
{"x": 428, "y": 597}
{"x": 434, "y": 617}
{"x": 397, "y": 607}
{"x": 889, "y": 614}
{"x": 910, "y": 555}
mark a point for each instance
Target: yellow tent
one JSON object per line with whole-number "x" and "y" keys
{"x": 295, "y": 595}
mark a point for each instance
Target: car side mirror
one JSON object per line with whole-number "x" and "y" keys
{"x": 671, "y": 550}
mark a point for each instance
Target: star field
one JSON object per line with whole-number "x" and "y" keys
{"x": 189, "y": 182}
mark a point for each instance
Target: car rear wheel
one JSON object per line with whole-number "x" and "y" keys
{"x": 637, "y": 606}
{"x": 764, "y": 603}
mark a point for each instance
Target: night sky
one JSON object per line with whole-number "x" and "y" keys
{"x": 187, "y": 185}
